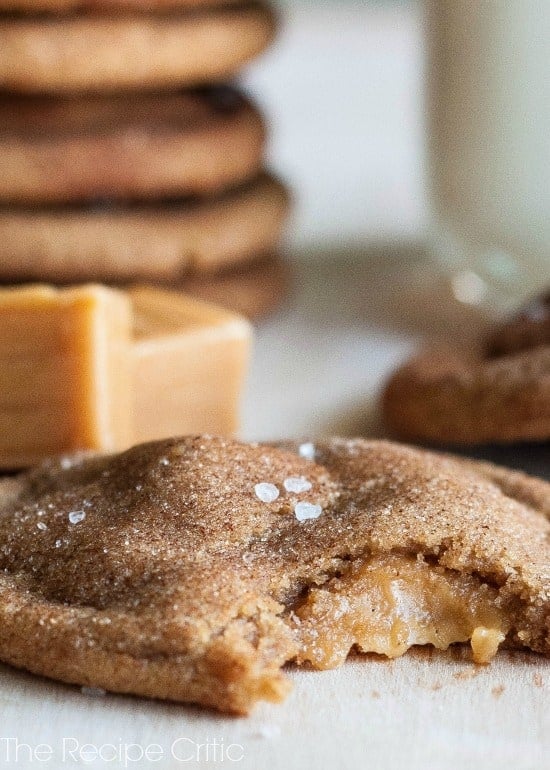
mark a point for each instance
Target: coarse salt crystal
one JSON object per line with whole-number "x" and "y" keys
{"x": 297, "y": 484}
{"x": 305, "y": 511}
{"x": 266, "y": 492}
{"x": 42, "y": 526}
{"x": 75, "y": 517}
{"x": 307, "y": 451}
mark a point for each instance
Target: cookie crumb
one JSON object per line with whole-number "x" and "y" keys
{"x": 375, "y": 694}
{"x": 297, "y": 484}
{"x": 498, "y": 690}
{"x": 538, "y": 680}
{"x": 266, "y": 492}
{"x": 467, "y": 673}
{"x": 305, "y": 511}
{"x": 75, "y": 517}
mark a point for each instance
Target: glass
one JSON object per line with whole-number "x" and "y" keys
{"x": 489, "y": 146}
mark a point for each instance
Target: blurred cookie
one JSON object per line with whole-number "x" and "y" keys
{"x": 158, "y": 241}
{"x": 64, "y": 6}
{"x": 254, "y": 290}
{"x": 109, "y": 52}
{"x": 503, "y": 396}
{"x": 193, "y": 569}
{"x": 530, "y": 328}
{"x": 127, "y": 146}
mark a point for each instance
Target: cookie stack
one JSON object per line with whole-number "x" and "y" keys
{"x": 123, "y": 156}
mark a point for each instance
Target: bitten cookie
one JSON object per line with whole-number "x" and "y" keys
{"x": 127, "y": 146}
{"x": 156, "y": 241}
{"x": 108, "y": 52}
{"x": 500, "y": 396}
{"x": 193, "y": 569}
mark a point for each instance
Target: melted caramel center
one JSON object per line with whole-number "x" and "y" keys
{"x": 390, "y": 603}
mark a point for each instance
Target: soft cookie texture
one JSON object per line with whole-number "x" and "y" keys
{"x": 156, "y": 241}
{"x": 502, "y": 395}
{"x": 56, "y": 150}
{"x": 192, "y": 569}
{"x": 112, "y": 51}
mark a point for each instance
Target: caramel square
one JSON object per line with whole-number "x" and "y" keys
{"x": 190, "y": 359}
{"x": 65, "y": 371}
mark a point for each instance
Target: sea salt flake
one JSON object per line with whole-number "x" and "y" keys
{"x": 58, "y": 543}
{"x": 266, "y": 492}
{"x": 297, "y": 484}
{"x": 307, "y": 451}
{"x": 75, "y": 517}
{"x": 42, "y": 526}
{"x": 305, "y": 511}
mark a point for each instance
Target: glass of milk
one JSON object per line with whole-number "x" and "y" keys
{"x": 489, "y": 146}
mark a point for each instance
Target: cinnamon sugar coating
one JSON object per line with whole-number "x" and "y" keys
{"x": 176, "y": 581}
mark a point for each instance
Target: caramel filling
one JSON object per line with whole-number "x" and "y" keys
{"x": 390, "y": 603}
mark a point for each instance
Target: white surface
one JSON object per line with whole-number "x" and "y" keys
{"x": 418, "y": 713}
{"x": 319, "y": 362}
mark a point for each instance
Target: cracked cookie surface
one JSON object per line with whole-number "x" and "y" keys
{"x": 192, "y": 569}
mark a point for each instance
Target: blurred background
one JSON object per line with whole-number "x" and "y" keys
{"x": 343, "y": 87}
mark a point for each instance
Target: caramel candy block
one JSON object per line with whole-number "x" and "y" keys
{"x": 65, "y": 371}
{"x": 190, "y": 359}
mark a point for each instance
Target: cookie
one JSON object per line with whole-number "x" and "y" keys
{"x": 501, "y": 396}
{"x": 192, "y": 569}
{"x": 111, "y": 52}
{"x": 127, "y": 146}
{"x": 64, "y": 6}
{"x": 159, "y": 241}
{"x": 253, "y": 290}
{"x": 530, "y": 328}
